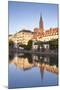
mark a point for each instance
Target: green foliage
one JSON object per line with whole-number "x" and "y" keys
{"x": 40, "y": 43}
{"x": 29, "y": 46}
{"x": 11, "y": 43}
{"x": 53, "y": 44}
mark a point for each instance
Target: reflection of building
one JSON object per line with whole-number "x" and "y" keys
{"x": 22, "y": 63}
{"x": 42, "y": 71}
{"x": 22, "y": 36}
{"x": 42, "y": 64}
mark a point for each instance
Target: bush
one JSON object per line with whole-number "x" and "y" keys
{"x": 11, "y": 43}
{"x": 53, "y": 44}
{"x": 29, "y": 46}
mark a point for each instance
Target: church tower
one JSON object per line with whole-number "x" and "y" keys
{"x": 41, "y": 26}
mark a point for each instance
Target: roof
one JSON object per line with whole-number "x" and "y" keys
{"x": 25, "y": 31}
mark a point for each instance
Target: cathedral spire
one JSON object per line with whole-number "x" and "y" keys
{"x": 41, "y": 26}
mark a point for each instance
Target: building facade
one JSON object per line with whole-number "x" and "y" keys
{"x": 39, "y": 34}
{"x": 44, "y": 35}
{"x": 22, "y": 37}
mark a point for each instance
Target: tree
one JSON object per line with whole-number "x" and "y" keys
{"x": 11, "y": 43}
{"x": 53, "y": 44}
{"x": 29, "y": 46}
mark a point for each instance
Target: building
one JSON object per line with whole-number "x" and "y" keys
{"x": 10, "y": 36}
{"x": 39, "y": 34}
{"x": 44, "y": 35}
{"x": 22, "y": 37}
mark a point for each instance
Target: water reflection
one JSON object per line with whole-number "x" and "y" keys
{"x": 27, "y": 62}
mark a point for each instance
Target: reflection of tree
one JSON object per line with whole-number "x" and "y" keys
{"x": 53, "y": 60}
{"x": 24, "y": 61}
{"x": 29, "y": 56}
{"x": 41, "y": 59}
{"x": 27, "y": 61}
{"x": 11, "y": 56}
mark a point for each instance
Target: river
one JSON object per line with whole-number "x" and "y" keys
{"x": 32, "y": 70}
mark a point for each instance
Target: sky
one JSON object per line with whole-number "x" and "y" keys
{"x": 26, "y": 15}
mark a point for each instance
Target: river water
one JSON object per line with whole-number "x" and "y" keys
{"x": 32, "y": 70}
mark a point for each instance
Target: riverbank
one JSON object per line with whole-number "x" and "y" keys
{"x": 39, "y": 52}
{"x": 49, "y": 52}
